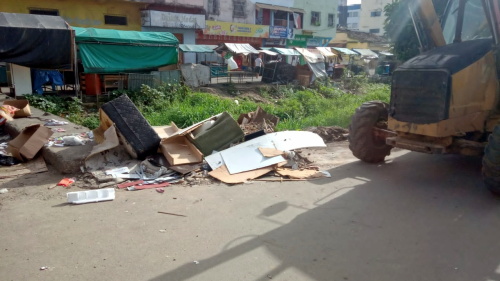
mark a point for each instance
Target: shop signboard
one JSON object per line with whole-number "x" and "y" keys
{"x": 175, "y": 20}
{"x": 236, "y": 29}
{"x": 274, "y": 42}
{"x": 278, "y": 32}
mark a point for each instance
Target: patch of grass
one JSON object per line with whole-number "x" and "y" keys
{"x": 297, "y": 107}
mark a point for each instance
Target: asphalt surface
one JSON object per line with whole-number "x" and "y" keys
{"x": 416, "y": 217}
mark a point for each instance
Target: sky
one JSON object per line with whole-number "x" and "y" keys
{"x": 351, "y": 2}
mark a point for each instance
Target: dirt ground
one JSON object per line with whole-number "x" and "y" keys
{"x": 37, "y": 185}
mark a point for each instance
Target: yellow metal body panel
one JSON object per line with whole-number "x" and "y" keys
{"x": 473, "y": 96}
{"x": 431, "y": 23}
{"x": 83, "y": 13}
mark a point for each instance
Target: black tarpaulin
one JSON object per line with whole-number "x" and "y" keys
{"x": 36, "y": 41}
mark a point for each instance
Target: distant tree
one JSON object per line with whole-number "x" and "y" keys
{"x": 399, "y": 27}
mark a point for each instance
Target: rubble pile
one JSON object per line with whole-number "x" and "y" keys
{"x": 330, "y": 134}
{"x": 131, "y": 155}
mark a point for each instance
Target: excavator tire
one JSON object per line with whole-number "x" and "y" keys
{"x": 362, "y": 143}
{"x": 491, "y": 162}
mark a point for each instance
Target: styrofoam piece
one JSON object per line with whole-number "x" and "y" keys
{"x": 120, "y": 170}
{"x": 249, "y": 158}
{"x": 89, "y": 196}
{"x": 286, "y": 140}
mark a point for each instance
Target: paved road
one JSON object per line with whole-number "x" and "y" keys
{"x": 416, "y": 217}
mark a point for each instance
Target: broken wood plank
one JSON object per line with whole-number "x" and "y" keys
{"x": 270, "y": 152}
{"x": 223, "y": 174}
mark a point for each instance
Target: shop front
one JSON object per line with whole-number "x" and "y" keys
{"x": 217, "y": 32}
{"x": 182, "y": 25}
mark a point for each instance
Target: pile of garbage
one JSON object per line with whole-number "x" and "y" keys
{"x": 130, "y": 154}
{"x": 231, "y": 151}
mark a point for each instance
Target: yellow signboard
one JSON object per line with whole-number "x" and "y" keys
{"x": 236, "y": 29}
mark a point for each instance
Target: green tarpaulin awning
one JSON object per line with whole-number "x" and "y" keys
{"x": 114, "y": 51}
{"x": 186, "y": 48}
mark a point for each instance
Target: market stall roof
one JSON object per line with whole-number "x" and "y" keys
{"x": 386, "y": 53}
{"x": 310, "y": 55}
{"x": 36, "y": 41}
{"x": 286, "y": 52}
{"x": 135, "y": 38}
{"x": 187, "y": 48}
{"x": 345, "y": 51}
{"x": 113, "y": 51}
{"x": 366, "y": 53}
{"x": 237, "y": 48}
{"x": 326, "y": 51}
{"x": 268, "y": 52}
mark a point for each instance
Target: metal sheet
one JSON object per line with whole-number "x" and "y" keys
{"x": 242, "y": 159}
{"x": 286, "y": 140}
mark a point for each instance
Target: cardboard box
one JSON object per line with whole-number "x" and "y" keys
{"x": 179, "y": 150}
{"x": 27, "y": 144}
{"x": 22, "y": 105}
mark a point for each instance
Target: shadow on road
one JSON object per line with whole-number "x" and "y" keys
{"x": 417, "y": 217}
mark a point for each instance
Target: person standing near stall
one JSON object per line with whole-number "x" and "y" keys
{"x": 258, "y": 66}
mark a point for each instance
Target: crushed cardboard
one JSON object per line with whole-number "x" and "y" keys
{"x": 270, "y": 152}
{"x": 22, "y": 105}
{"x": 179, "y": 150}
{"x": 27, "y": 144}
{"x": 223, "y": 174}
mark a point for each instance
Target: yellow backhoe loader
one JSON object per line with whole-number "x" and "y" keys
{"x": 445, "y": 100}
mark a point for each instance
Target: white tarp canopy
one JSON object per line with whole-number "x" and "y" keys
{"x": 285, "y": 52}
{"x": 326, "y": 51}
{"x": 366, "y": 53}
{"x": 316, "y": 62}
{"x": 267, "y": 52}
{"x": 310, "y": 55}
{"x": 345, "y": 51}
{"x": 244, "y": 49}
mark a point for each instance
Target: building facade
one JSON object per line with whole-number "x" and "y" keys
{"x": 182, "y": 20}
{"x": 372, "y": 16}
{"x": 320, "y": 17}
{"x": 112, "y": 14}
{"x": 353, "y": 13}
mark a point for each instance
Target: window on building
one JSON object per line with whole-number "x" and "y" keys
{"x": 213, "y": 7}
{"x": 116, "y": 20}
{"x": 331, "y": 19}
{"x": 354, "y": 14}
{"x": 354, "y": 25}
{"x": 316, "y": 18}
{"x": 46, "y": 12}
{"x": 375, "y": 30}
{"x": 239, "y": 7}
{"x": 376, "y": 14}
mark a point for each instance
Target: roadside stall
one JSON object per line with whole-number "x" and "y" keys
{"x": 315, "y": 62}
{"x": 35, "y": 48}
{"x": 198, "y": 49}
{"x": 239, "y": 58}
{"x": 344, "y": 59}
{"x": 368, "y": 60}
{"x": 116, "y": 59}
{"x": 330, "y": 59}
{"x": 214, "y": 61}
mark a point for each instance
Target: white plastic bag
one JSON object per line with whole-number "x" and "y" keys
{"x": 231, "y": 64}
